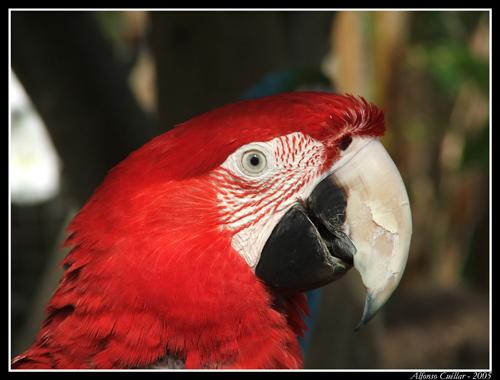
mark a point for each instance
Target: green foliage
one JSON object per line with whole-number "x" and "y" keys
{"x": 452, "y": 64}
{"x": 442, "y": 43}
{"x": 111, "y": 23}
{"x": 476, "y": 151}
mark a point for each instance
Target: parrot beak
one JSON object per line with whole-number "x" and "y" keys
{"x": 378, "y": 219}
{"x": 358, "y": 215}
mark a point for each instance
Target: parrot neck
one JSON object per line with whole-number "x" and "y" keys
{"x": 273, "y": 345}
{"x": 203, "y": 306}
{"x": 225, "y": 317}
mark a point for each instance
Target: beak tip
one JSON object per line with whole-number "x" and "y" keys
{"x": 370, "y": 310}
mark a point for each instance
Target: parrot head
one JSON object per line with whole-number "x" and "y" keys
{"x": 199, "y": 233}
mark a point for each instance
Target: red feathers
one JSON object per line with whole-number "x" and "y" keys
{"x": 151, "y": 273}
{"x": 204, "y": 142}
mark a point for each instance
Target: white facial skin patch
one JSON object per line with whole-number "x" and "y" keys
{"x": 252, "y": 204}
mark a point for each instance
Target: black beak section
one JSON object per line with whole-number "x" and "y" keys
{"x": 307, "y": 248}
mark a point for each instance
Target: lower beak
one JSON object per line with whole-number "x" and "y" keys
{"x": 359, "y": 215}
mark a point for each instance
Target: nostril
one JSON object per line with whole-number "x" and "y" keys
{"x": 345, "y": 142}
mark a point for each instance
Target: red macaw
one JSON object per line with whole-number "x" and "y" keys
{"x": 195, "y": 251}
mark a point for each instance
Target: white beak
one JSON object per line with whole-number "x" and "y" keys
{"x": 378, "y": 219}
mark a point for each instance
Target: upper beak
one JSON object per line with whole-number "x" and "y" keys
{"x": 378, "y": 221}
{"x": 358, "y": 215}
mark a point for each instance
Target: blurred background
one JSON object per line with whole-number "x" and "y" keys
{"x": 87, "y": 88}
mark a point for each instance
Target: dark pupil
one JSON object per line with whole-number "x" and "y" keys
{"x": 254, "y": 161}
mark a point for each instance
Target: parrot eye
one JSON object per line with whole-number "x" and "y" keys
{"x": 253, "y": 162}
